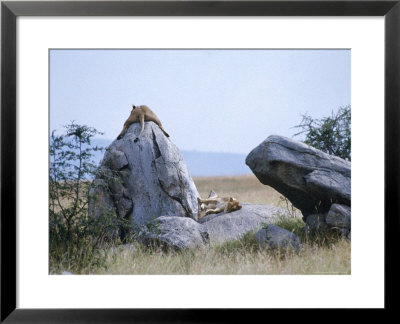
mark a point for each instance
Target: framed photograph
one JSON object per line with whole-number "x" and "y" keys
{"x": 118, "y": 118}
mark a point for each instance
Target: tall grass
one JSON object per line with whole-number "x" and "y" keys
{"x": 230, "y": 258}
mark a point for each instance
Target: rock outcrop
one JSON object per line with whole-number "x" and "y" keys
{"x": 231, "y": 226}
{"x": 140, "y": 181}
{"x": 312, "y": 180}
{"x": 339, "y": 217}
{"x": 174, "y": 232}
{"x": 276, "y": 237}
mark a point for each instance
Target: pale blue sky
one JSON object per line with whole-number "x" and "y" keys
{"x": 207, "y": 100}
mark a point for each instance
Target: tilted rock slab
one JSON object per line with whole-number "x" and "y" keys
{"x": 152, "y": 178}
{"x": 311, "y": 179}
{"x": 174, "y": 232}
{"x": 224, "y": 227}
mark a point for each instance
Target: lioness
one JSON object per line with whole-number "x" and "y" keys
{"x": 140, "y": 114}
{"x": 215, "y": 204}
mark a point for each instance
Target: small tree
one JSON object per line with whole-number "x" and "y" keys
{"x": 71, "y": 168}
{"x": 331, "y": 134}
{"x": 73, "y": 234}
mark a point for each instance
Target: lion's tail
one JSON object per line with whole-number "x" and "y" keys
{"x": 165, "y": 133}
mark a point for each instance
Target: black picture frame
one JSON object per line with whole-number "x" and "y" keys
{"x": 10, "y": 10}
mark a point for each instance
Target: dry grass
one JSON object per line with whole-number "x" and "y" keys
{"x": 246, "y": 188}
{"x": 226, "y": 260}
{"x": 330, "y": 256}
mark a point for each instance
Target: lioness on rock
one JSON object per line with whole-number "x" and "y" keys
{"x": 216, "y": 204}
{"x": 141, "y": 114}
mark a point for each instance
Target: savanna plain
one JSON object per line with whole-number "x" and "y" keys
{"x": 320, "y": 253}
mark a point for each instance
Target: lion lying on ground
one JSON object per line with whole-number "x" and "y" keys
{"x": 215, "y": 204}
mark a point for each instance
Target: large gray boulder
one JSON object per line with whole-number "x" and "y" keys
{"x": 174, "y": 232}
{"x": 143, "y": 180}
{"x": 311, "y": 179}
{"x": 224, "y": 227}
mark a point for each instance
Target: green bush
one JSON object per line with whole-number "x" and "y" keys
{"x": 331, "y": 134}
